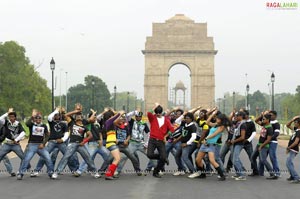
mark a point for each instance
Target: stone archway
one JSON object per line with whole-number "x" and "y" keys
{"x": 179, "y": 41}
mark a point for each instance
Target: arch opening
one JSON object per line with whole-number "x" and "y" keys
{"x": 179, "y": 86}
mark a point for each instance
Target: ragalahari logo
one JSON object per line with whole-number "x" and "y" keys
{"x": 282, "y": 5}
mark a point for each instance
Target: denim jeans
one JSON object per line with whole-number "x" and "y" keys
{"x": 6, "y": 148}
{"x": 175, "y": 147}
{"x": 135, "y": 162}
{"x": 290, "y": 165}
{"x": 94, "y": 149}
{"x": 273, "y": 158}
{"x": 7, "y": 163}
{"x": 260, "y": 169}
{"x": 51, "y": 146}
{"x": 71, "y": 149}
{"x": 249, "y": 150}
{"x": 218, "y": 158}
{"x": 31, "y": 150}
{"x": 161, "y": 156}
{"x": 224, "y": 150}
{"x": 183, "y": 153}
{"x": 238, "y": 165}
{"x": 263, "y": 154}
{"x": 133, "y": 147}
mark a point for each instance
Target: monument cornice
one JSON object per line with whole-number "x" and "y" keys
{"x": 214, "y": 52}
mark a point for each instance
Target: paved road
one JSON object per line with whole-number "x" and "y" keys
{"x": 132, "y": 186}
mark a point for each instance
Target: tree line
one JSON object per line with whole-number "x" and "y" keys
{"x": 22, "y": 88}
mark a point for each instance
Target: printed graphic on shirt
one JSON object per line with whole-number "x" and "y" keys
{"x": 38, "y": 130}
{"x": 14, "y": 130}
{"x": 78, "y": 131}
{"x": 57, "y": 127}
{"x": 138, "y": 131}
{"x": 121, "y": 135}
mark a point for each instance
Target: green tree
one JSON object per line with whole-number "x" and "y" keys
{"x": 95, "y": 96}
{"x": 21, "y": 87}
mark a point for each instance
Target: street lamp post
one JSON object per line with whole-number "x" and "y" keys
{"x": 233, "y": 100}
{"x": 219, "y": 103}
{"x": 272, "y": 80}
{"x": 52, "y": 67}
{"x": 66, "y": 91}
{"x": 247, "y": 97}
{"x": 93, "y": 94}
{"x": 115, "y": 96}
{"x": 224, "y": 104}
{"x": 127, "y": 102}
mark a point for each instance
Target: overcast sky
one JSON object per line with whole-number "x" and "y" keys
{"x": 105, "y": 38}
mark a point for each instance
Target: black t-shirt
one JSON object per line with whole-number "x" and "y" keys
{"x": 231, "y": 131}
{"x": 238, "y": 130}
{"x": 37, "y": 132}
{"x": 95, "y": 130}
{"x": 57, "y": 129}
{"x": 250, "y": 128}
{"x": 276, "y": 129}
{"x": 265, "y": 132}
{"x": 77, "y": 133}
{"x": 293, "y": 138}
{"x": 122, "y": 133}
{"x": 177, "y": 133}
{"x": 187, "y": 132}
{"x": 11, "y": 131}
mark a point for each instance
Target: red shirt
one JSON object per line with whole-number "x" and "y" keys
{"x": 157, "y": 132}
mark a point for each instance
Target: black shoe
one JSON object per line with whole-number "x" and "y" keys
{"x": 202, "y": 175}
{"x": 156, "y": 175}
{"x": 290, "y": 178}
{"x": 167, "y": 161}
{"x": 19, "y": 177}
{"x": 272, "y": 178}
{"x": 109, "y": 177}
{"x": 13, "y": 174}
{"x": 253, "y": 174}
{"x": 223, "y": 178}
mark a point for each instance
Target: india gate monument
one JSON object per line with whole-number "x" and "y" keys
{"x": 179, "y": 41}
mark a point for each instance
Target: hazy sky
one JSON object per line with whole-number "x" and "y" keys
{"x": 105, "y": 38}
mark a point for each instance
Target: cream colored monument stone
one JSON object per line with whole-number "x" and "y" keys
{"x": 179, "y": 41}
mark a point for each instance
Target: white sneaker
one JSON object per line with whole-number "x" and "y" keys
{"x": 194, "y": 175}
{"x": 97, "y": 175}
{"x": 179, "y": 173}
{"x": 54, "y": 175}
{"x": 116, "y": 174}
{"x": 76, "y": 174}
{"x": 34, "y": 174}
{"x": 161, "y": 173}
{"x": 240, "y": 178}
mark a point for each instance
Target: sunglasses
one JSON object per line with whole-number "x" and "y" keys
{"x": 38, "y": 118}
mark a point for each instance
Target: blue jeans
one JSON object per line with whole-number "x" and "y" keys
{"x": 263, "y": 154}
{"x": 6, "y": 148}
{"x": 133, "y": 147}
{"x": 135, "y": 162}
{"x": 31, "y": 150}
{"x": 71, "y": 149}
{"x": 273, "y": 158}
{"x": 224, "y": 150}
{"x": 290, "y": 165}
{"x": 218, "y": 158}
{"x": 7, "y": 163}
{"x": 51, "y": 146}
{"x": 260, "y": 169}
{"x": 249, "y": 150}
{"x": 94, "y": 149}
{"x": 183, "y": 153}
{"x": 170, "y": 147}
{"x": 238, "y": 165}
